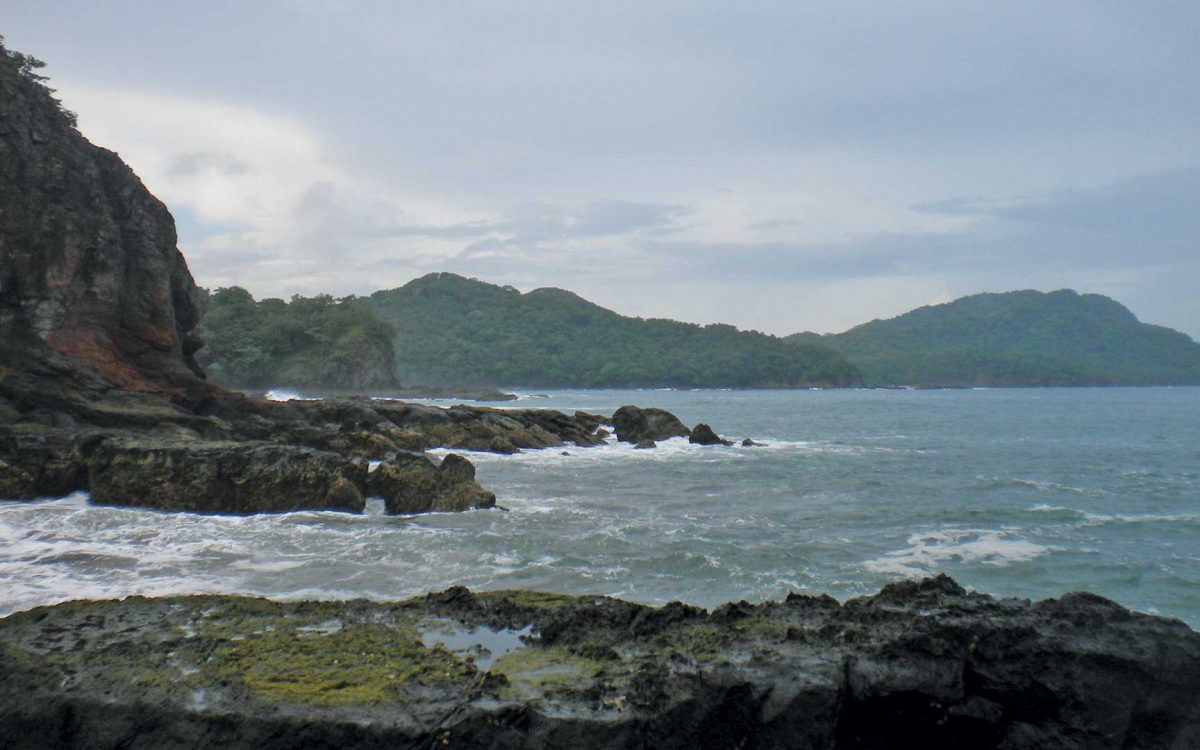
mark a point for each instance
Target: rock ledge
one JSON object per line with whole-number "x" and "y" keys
{"x": 920, "y": 662}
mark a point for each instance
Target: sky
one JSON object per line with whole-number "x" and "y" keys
{"x": 782, "y": 166}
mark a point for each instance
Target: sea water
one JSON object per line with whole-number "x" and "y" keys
{"x": 1026, "y": 492}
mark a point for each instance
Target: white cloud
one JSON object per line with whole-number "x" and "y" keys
{"x": 266, "y": 205}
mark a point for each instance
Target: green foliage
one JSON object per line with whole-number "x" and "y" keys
{"x": 452, "y": 330}
{"x": 310, "y": 342}
{"x": 28, "y": 66}
{"x": 1024, "y": 338}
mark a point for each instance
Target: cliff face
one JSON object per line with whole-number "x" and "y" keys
{"x": 88, "y": 261}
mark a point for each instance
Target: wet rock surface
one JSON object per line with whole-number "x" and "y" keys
{"x": 634, "y": 424}
{"x": 920, "y": 664}
{"x": 702, "y": 434}
{"x": 419, "y": 486}
{"x": 223, "y": 477}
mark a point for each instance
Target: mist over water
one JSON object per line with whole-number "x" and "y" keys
{"x": 1027, "y": 493}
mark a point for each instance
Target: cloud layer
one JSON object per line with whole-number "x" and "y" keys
{"x": 778, "y": 166}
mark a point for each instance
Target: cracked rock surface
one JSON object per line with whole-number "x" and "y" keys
{"x": 922, "y": 662}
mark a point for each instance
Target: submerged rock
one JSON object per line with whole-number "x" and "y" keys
{"x": 748, "y": 443}
{"x": 635, "y": 424}
{"x": 702, "y": 434}
{"x": 921, "y": 664}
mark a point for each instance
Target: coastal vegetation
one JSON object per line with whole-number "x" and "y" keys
{"x": 1023, "y": 338}
{"x": 446, "y": 329}
{"x": 312, "y": 342}
{"x": 450, "y": 329}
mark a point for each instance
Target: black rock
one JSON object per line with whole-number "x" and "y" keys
{"x": 702, "y": 434}
{"x": 921, "y": 664}
{"x": 418, "y": 486}
{"x": 224, "y": 477}
{"x": 635, "y": 424}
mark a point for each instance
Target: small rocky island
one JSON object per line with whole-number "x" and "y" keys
{"x": 99, "y": 391}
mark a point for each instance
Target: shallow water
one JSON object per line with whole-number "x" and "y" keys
{"x": 1027, "y": 493}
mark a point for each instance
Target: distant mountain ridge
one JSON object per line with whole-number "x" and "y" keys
{"x": 1021, "y": 338}
{"x": 450, "y": 329}
{"x": 444, "y": 329}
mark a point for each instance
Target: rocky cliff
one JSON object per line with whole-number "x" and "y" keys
{"x": 89, "y": 267}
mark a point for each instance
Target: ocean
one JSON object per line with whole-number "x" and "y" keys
{"x": 1016, "y": 492}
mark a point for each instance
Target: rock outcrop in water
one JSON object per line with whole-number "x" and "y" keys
{"x": 921, "y": 664}
{"x": 635, "y": 424}
{"x": 98, "y": 387}
{"x": 702, "y": 434}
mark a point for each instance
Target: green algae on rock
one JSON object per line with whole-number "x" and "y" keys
{"x": 925, "y": 660}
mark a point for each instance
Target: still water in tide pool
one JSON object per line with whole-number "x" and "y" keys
{"x": 1027, "y": 493}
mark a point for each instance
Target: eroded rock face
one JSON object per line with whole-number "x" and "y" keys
{"x": 921, "y": 664}
{"x": 88, "y": 261}
{"x": 224, "y": 477}
{"x": 635, "y": 424}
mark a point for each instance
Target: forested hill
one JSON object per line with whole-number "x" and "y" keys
{"x": 1024, "y": 338}
{"x": 449, "y": 329}
{"x": 310, "y": 342}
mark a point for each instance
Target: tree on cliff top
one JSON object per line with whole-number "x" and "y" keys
{"x": 27, "y": 66}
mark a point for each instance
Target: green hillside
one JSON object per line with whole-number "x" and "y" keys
{"x": 1024, "y": 338}
{"x": 450, "y": 329}
{"x": 310, "y": 342}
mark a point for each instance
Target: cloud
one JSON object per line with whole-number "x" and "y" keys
{"x": 1142, "y": 220}
{"x": 708, "y": 165}
{"x": 200, "y": 162}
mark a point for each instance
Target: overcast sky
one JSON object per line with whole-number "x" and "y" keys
{"x": 777, "y": 165}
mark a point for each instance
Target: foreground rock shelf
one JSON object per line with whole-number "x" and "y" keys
{"x": 923, "y": 663}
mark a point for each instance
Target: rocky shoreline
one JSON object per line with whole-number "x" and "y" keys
{"x": 242, "y": 455}
{"x": 921, "y": 661}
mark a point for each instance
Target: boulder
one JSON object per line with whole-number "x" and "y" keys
{"x": 590, "y": 422}
{"x": 40, "y": 461}
{"x": 419, "y": 486}
{"x": 748, "y": 443}
{"x": 645, "y": 444}
{"x": 702, "y": 434}
{"x": 635, "y": 424}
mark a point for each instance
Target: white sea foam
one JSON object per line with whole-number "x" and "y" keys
{"x": 701, "y": 524}
{"x": 286, "y": 395}
{"x": 1097, "y": 519}
{"x": 928, "y": 550}
{"x": 1038, "y": 484}
{"x": 671, "y": 450}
